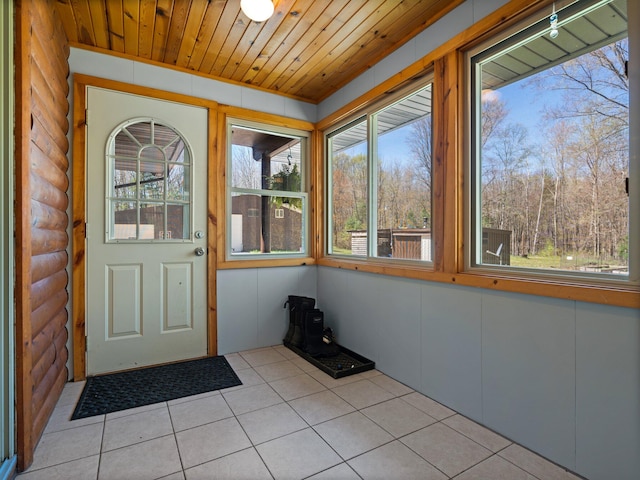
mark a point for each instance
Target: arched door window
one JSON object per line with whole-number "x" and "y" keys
{"x": 149, "y": 183}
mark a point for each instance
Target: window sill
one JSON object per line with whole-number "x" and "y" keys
{"x": 264, "y": 262}
{"x": 605, "y": 294}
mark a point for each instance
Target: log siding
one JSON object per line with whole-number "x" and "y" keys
{"x": 42, "y": 105}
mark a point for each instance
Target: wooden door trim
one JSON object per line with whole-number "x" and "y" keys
{"x": 80, "y": 84}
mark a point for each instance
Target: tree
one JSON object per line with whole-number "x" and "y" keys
{"x": 245, "y": 171}
{"x": 493, "y": 113}
{"x": 349, "y": 185}
{"x": 504, "y": 162}
{"x": 421, "y": 148}
{"x": 595, "y": 106}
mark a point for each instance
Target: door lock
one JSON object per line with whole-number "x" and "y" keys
{"x": 199, "y": 251}
{"x": 199, "y": 234}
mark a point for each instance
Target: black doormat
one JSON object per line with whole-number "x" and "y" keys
{"x": 135, "y": 388}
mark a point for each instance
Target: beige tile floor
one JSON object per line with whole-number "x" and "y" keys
{"x": 288, "y": 420}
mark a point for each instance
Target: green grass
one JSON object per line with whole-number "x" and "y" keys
{"x": 553, "y": 261}
{"x": 558, "y": 262}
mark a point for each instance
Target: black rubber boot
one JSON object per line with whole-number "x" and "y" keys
{"x": 313, "y": 330}
{"x": 290, "y": 302}
{"x": 301, "y": 305}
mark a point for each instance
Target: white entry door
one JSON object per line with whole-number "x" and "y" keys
{"x": 146, "y": 224}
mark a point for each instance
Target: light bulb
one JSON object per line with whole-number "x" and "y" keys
{"x": 553, "y": 21}
{"x": 257, "y": 10}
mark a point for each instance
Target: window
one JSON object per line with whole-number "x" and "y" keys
{"x": 379, "y": 180}
{"x": 267, "y": 191}
{"x": 550, "y": 148}
{"x": 149, "y": 179}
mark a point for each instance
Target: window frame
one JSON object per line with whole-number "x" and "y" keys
{"x": 109, "y": 165}
{"x": 274, "y": 125}
{"x": 472, "y": 170}
{"x": 369, "y": 114}
{"x": 450, "y": 172}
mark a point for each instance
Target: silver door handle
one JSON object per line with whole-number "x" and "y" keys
{"x": 199, "y": 251}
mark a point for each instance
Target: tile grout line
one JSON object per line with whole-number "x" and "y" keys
{"x": 175, "y": 440}
{"x": 288, "y": 403}
{"x": 104, "y": 429}
{"x": 253, "y": 446}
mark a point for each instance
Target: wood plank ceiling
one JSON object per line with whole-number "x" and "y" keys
{"x": 308, "y": 49}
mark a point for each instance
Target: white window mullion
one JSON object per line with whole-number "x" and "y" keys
{"x": 372, "y": 193}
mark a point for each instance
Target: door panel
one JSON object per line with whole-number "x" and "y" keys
{"x": 124, "y": 305}
{"x": 177, "y": 294}
{"x": 146, "y": 198}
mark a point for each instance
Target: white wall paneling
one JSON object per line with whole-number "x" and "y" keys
{"x": 561, "y": 378}
{"x": 153, "y": 76}
{"x": 251, "y": 311}
{"x": 607, "y": 391}
{"x": 451, "y": 347}
{"x": 528, "y": 372}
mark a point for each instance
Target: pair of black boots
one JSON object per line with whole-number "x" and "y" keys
{"x": 306, "y": 328}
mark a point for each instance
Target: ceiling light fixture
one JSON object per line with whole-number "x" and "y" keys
{"x": 257, "y": 10}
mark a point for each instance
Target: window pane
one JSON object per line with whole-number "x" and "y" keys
{"x": 553, "y": 146}
{"x": 152, "y": 221}
{"x": 403, "y": 197}
{"x": 164, "y": 136}
{"x": 151, "y": 180}
{"x": 124, "y": 219}
{"x": 177, "y": 222}
{"x": 150, "y": 166}
{"x": 349, "y": 178}
{"x": 267, "y": 198}
{"x": 140, "y": 132}
{"x": 125, "y": 179}
{"x": 178, "y": 182}
{"x": 265, "y": 161}
{"x": 152, "y": 153}
{"x": 267, "y": 224}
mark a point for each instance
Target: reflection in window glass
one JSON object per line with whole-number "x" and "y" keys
{"x": 552, "y": 145}
{"x": 349, "y": 179}
{"x": 149, "y": 167}
{"x": 285, "y": 233}
{"x": 403, "y": 195}
{"x": 268, "y": 199}
{"x": 380, "y": 173}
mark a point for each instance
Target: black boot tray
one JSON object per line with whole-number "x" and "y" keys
{"x": 344, "y": 364}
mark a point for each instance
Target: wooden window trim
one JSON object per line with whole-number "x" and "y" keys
{"x": 276, "y": 121}
{"x": 449, "y": 212}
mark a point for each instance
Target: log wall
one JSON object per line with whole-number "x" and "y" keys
{"x": 42, "y": 68}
